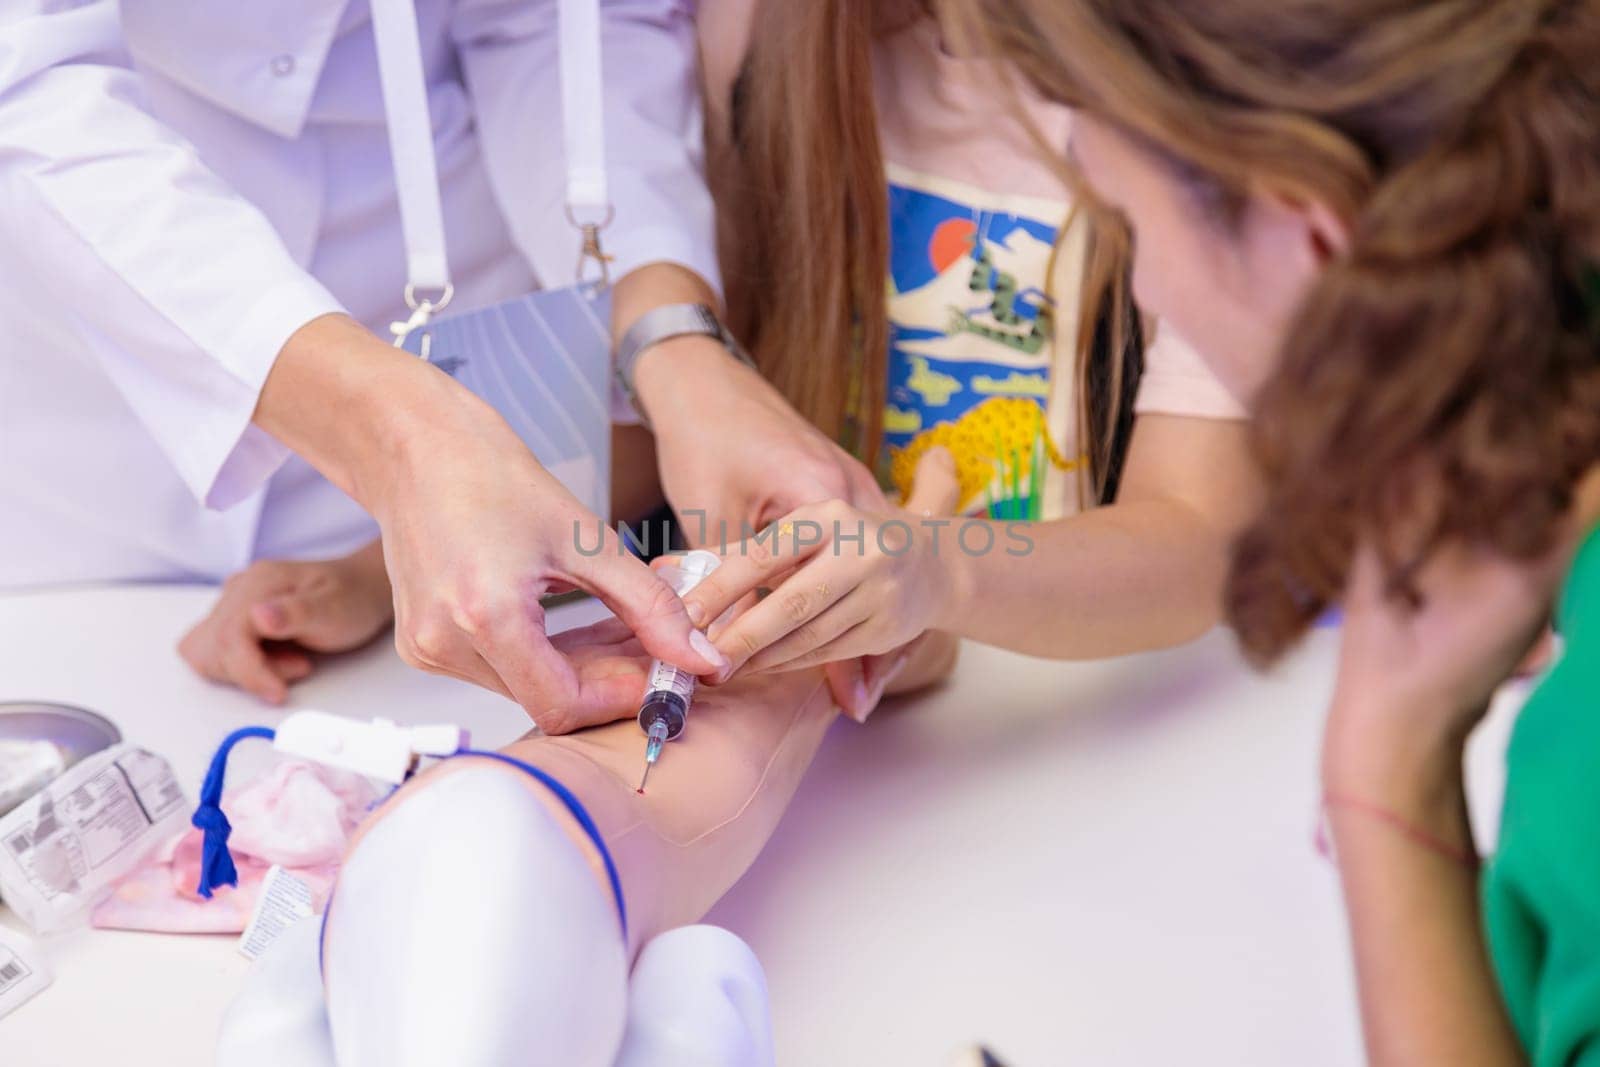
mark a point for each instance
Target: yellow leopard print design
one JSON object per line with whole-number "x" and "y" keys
{"x": 992, "y": 443}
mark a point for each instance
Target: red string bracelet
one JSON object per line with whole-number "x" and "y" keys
{"x": 1415, "y": 834}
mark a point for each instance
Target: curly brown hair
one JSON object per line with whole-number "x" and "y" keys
{"x": 1441, "y": 380}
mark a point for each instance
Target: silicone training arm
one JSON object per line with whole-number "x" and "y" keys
{"x": 473, "y": 890}
{"x": 713, "y": 802}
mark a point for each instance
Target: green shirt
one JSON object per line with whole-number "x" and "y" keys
{"x": 1541, "y": 893}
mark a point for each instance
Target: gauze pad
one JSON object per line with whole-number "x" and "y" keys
{"x": 296, "y": 815}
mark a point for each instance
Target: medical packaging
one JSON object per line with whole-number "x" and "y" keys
{"x": 25, "y": 767}
{"x": 23, "y": 971}
{"x": 297, "y": 815}
{"x": 63, "y": 849}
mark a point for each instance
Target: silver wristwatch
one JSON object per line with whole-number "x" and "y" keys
{"x": 660, "y": 324}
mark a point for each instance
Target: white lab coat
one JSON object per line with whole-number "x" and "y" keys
{"x": 184, "y": 183}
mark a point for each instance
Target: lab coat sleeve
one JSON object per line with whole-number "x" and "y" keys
{"x": 653, "y": 119}
{"x": 179, "y": 287}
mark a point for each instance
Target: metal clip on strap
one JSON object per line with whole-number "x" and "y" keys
{"x": 592, "y": 252}
{"x": 422, "y": 312}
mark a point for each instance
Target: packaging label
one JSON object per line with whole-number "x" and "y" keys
{"x": 23, "y": 972}
{"x": 13, "y": 969}
{"x": 64, "y": 849}
{"x": 73, "y": 835}
{"x": 284, "y": 901}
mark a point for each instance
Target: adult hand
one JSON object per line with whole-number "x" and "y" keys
{"x": 734, "y": 455}
{"x": 475, "y": 531}
{"x": 478, "y": 617}
{"x": 273, "y": 614}
{"x": 1413, "y": 683}
{"x": 609, "y": 651}
{"x": 846, "y": 582}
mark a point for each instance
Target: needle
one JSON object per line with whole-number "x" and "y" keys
{"x": 652, "y": 751}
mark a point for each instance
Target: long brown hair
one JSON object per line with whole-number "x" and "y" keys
{"x": 1441, "y": 380}
{"x": 804, "y": 234}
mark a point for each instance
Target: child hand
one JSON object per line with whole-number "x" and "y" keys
{"x": 272, "y": 613}
{"x": 859, "y": 685}
{"x": 836, "y": 597}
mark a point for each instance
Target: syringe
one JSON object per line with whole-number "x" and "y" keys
{"x": 669, "y": 690}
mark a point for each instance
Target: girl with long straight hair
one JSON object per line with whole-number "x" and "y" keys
{"x": 915, "y": 276}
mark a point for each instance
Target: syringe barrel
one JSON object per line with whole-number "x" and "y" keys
{"x": 669, "y": 689}
{"x": 664, "y": 705}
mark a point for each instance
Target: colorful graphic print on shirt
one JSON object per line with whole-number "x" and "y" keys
{"x": 971, "y": 342}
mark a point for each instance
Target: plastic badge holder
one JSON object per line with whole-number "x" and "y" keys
{"x": 543, "y": 361}
{"x": 64, "y": 849}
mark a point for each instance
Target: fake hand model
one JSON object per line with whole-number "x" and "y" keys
{"x": 474, "y": 922}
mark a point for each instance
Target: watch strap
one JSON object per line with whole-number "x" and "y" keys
{"x": 661, "y": 324}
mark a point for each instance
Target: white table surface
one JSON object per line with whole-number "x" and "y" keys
{"x": 1097, "y": 864}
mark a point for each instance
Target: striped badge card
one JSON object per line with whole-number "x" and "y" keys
{"x": 543, "y": 361}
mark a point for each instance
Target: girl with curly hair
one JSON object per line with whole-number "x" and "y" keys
{"x": 1379, "y": 220}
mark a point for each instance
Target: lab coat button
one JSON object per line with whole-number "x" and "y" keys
{"x": 283, "y": 65}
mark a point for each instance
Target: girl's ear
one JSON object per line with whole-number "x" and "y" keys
{"x": 1330, "y": 234}
{"x": 1317, "y": 228}
{"x": 1286, "y": 242}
